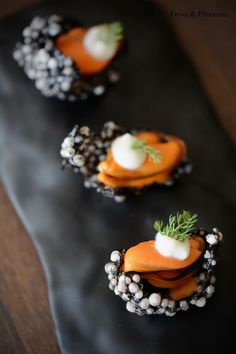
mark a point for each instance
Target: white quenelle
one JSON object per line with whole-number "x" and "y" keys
{"x": 124, "y": 155}
{"x": 169, "y": 247}
{"x": 96, "y": 47}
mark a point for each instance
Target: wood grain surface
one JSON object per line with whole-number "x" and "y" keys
{"x": 25, "y": 322}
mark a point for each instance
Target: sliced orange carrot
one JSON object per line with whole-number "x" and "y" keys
{"x": 169, "y": 274}
{"x": 71, "y": 45}
{"x": 179, "y": 141}
{"x": 155, "y": 278}
{"x": 145, "y": 258}
{"x": 136, "y": 183}
{"x": 149, "y": 137}
{"x": 171, "y": 156}
{"x": 184, "y": 290}
{"x": 114, "y": 175}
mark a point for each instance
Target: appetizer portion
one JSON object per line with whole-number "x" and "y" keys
{"x": 170, "y": 273}
{"x": 117, "y": 161}
{"x": 139, "y": 160}
{"x": 67, "y": 60}
{"x": 92, "y": 49}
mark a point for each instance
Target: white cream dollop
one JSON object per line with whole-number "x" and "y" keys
{"x": 169, "y": 247}
{"x": 96, "y": 47}
{"x": 126, "y": 156}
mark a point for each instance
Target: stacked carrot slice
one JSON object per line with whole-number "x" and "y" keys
{"x": 173, "y": 151}
{"x": 165, "y": 272}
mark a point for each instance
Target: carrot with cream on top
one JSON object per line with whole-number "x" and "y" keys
{"x": 141, "y": 160}
{"x": 117, "y": 162}
{"x": 171, "y": 261}
{"x": 92, "y": 49}
{"x": 171, "y": 273}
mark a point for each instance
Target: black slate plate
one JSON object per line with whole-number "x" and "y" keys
{"x": 74, "y": 229}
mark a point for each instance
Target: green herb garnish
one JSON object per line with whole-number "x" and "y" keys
{"x": 142, "y": 145}
{"x": 111, "y": 33}
{"x": 179, "y": 226}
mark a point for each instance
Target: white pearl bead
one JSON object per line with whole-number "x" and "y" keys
{"x": 42, "y": 56}
{"x": 171, "y": 304}
{"x": 125, "y": 297}
{"x": 130, "y": 307}
{"x": 113, "y": 282}
{"x": 138, "y": 295}
{"x": 184, "y": 305}
{"x": 54, "y": 29}
{"x": 110, "y": 268}
{"x": 170, "y": 314}
{"x": 26, "y": 49}
{"x": 38, "y": 23}
{"x": 99, "y": 90}
{"x": 164, "y": 303}
{"x": 122, "y": 278}
{"x": 211, "y": 239}
{"x": 79, "y": 160}
{"x": 116, "y": 291}
{"x": 133, "y": 288}
{"x": 68, "y": 142}
{"x": 149, "y": 311}
{"x": 155, "y": 299}
{"x": 67, "y": 153}
{"x": 52, "y": 63}
{"x": 207, "y": 254}
{"x": 160, "y": 311}
{"x": 210, "y": 289}
{"x": 115, "y": 256}
{"x": 127, "y": 280}
{"x": 111, "y": 287}
{"x": 144, "y": 304}
{"x": 201, "y": 302}
{"x": 121, "y": 284}
{"x": 17, "y": 54}
{"x": 136, "y": 278}
{"x": 193, "y": 301}
{"x": 122, "y": 287}
{"x": 65, "y": 86}
{"x": 119, "y": 198}
{"x": 26, "y": 32}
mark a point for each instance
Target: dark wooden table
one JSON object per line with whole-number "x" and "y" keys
{"x": 25, "y": 321}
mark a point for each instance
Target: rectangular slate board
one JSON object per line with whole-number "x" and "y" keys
{"x": 73, "y": 228}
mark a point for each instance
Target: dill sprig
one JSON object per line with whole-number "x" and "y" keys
{"x": 142, "y": 145}
{"x": 111, "y": 33}
{"x": 179, "y": 226}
